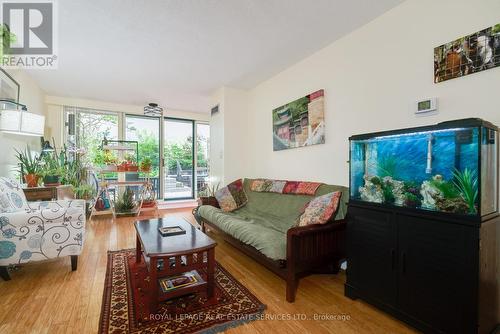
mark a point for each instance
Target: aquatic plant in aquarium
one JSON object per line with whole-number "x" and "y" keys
{"x": 448, "y": 167}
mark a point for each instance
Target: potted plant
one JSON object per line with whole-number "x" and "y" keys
{"x": 146, "y": 164}
{"x": 130, "y": 163}
{"x": 85, "y": 192}
{"x": 122, "y": 167}
{"x": 30, "y": 167}
{"x": 105, "y": 159}
{"x": 52, "y": 169}
{"x": 207, "y": 195}
{"x": 126, "y": 205}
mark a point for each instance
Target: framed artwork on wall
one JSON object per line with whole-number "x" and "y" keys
{"x": 300, "y": 123}
{"x": 470, "y": 54}
{"x": 9, "y": 88}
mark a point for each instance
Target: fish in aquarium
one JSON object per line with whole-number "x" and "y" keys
{"x": 432, "y": 170}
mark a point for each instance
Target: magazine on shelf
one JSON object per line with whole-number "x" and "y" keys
{"x": 186, "y": 279}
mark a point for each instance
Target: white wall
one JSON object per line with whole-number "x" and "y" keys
{"x": 33, "y": 97}
{"x": 227, "y": 157}
{"x": 217, "y": 139}
{"x": 371, "y": 78}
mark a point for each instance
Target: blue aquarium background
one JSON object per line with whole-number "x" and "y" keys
{"x": 432, "y": 170}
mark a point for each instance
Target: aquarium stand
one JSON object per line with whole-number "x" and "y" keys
{"x": 435, "y": 272}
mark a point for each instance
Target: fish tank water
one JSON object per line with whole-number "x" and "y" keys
{"x": 449, "y": 167}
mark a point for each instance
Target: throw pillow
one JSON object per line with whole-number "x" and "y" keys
{"x": 232, "y": 196}
{"x": 277, "y": 186}
{"x": 259, "y": 185}
{"x": 320, "y": 209}
{"x": 307, "y": 188}
{"x": 12, "y": 196}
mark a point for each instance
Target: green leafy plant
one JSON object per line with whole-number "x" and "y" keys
{"x": 129, "y": 157}
{"x": 209, "y": 190}
{"x": 126, "y": 203}
{"x": 29, "y": 164}
{"x": 84, "y": 191}
{"x": 448, "y": 189}
{"x": 467, "y": 183}
{"x": 146, "y": 164}
{"x": 51, "y": 166}
{"x": 387, "y": 190}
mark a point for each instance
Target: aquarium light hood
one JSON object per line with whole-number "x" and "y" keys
{"x": 429, "y": 132}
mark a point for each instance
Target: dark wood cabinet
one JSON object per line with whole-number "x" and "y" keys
{"x": 425, "y": 269}
{"x": 372, "y": 235}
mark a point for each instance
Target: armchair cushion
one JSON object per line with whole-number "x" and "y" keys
{"x": 12, "y": 196}
{"x": 43, "y": 231}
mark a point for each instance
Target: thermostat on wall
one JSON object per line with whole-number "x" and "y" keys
{"x": 427, "y": 105}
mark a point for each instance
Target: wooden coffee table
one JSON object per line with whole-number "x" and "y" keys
{"x": 174, "y": 255}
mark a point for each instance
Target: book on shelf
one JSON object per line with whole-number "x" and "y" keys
{"x": 168, "y": 284}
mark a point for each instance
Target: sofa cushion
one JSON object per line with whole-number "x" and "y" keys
{"x": 320, "y": 209}
{"x": 289, "y": 206}
{"x": 255, "y": 232}
{"x": 301, "y": 188}
{"x": 232, "y": 196}
{"x": 12, "y": 198}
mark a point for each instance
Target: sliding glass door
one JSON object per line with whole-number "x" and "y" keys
{"x": 145, "y": 130}
{"x": 179, "y": 148}
{"x": 202, "y": 155}
{"x": 178, "y": 153}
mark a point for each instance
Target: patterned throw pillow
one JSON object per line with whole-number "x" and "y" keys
{"x": 277, "y": 186}
{"x": 12, "y": 196}
{"x": 290, "y": 187}
{"x": 301, "y": 188}
{"x": 232, "y": 196}
{"x": 320, "y": 209}
{"x": 259, "y": 185}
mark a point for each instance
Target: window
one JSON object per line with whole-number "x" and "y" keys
{"x": 146, "y": 130}
{"x": 87, "y": 128}
{"x": 179, "y": 155}
{"x": 202, "y": 155}
{"x": 170, "y": 140}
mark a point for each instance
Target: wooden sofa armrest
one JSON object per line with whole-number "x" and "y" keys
{"x": 317, "y": 228}
{"x": 316, "y": 243}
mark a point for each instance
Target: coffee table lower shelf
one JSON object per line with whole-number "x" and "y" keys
{"x": 185, "y": 290}
{"x": 204, "y": 262}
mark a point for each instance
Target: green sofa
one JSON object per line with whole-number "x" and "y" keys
{"x": 265, "y": 229}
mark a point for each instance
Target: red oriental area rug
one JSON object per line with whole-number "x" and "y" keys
{"x": 125, "y": 306}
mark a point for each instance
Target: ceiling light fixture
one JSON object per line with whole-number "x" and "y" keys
{"x": 153, "y": 109}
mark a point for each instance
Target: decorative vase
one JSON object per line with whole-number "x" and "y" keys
{"x": 31, "y": 180}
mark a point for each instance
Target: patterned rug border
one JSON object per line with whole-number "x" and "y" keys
{"x": 106, "y": 300}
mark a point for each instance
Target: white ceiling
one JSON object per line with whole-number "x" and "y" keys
{"x": 177, "y": 52}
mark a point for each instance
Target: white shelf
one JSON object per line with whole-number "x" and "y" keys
{"x": 126, "y": 183}
{"x": 118, "y": 148}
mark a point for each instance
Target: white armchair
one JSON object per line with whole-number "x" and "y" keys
{"x": 34, "y": 231}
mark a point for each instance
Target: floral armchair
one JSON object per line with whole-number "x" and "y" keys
{"x": 34, "y": 231}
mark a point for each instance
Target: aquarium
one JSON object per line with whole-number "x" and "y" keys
{"x": 449, "y": 167}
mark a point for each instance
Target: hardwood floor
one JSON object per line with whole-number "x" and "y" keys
{"x": 49, "y": 298}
